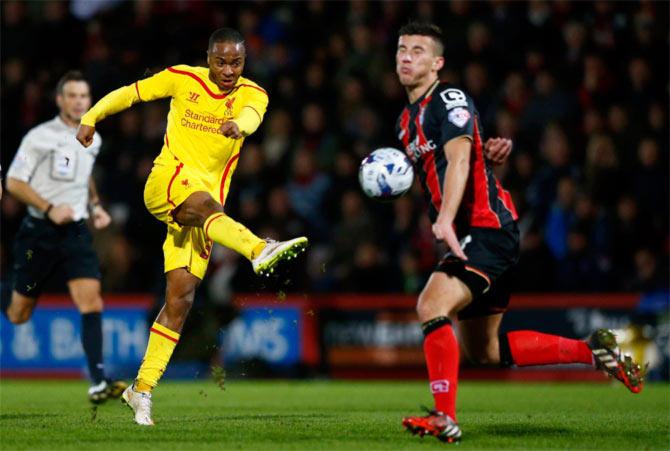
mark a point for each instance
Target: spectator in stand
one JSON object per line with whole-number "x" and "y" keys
{"x": 547, "y": 104}
{"x": 535, "y": 270}
{"x": 561, "y": 218}
{"x": 647, "y": 178}
{"x": 623, "y": 139}
{"x": 370, "y": 272}
{"x": 307, "y": 191}
{"x": 649, "y": 274}
{"x": 641, "y": 93}
{"x": 354, "y": 228}
{"x": 556, "y": 151}
{"x": 602, "y": 174}
{"x": 630, "y": 232}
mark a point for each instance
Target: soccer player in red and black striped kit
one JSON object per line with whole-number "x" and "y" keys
{"x": 471, "y": 212}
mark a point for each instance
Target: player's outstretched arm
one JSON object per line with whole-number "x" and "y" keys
{"x": 114, "y": 102}
{"x": 158, "y": 86}
{"x": 498, "y": 150}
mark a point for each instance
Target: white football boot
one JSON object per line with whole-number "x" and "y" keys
{"x": 276, "y": 251}
{"x": 140, "y": 402}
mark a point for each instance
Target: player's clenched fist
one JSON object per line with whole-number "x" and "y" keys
{"x": 498, "y": 149}
{"x": 231, "y": 130}
{"x": 85, "y": 135}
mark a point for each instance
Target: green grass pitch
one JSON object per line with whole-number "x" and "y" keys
{"x": 322, "y": 415}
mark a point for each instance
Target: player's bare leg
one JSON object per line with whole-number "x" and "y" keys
{"x": 479, "y": 339}
{"x": 163, "y": 338}
{"x": 179, "y": 296}
{"x": 21, "y": 308}
{"x": 443, "y": 295}
{"x": 195, "y": 210}
{"x": 86, "y": 295}
{"x": 440, "y": 300}
{"x": 201, "y": 210}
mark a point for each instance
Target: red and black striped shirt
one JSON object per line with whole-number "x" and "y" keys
{"x": 424, "y": 127}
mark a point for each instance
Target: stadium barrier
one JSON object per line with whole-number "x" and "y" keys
{"x": 339, "y": 335}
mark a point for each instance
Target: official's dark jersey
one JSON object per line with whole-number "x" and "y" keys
{"x": 424, "y": 127}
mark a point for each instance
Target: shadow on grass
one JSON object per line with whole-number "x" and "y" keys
{"x": 26, "y": 416}
{"x": 273, "y": 417}
{"x": 516, "y": 430}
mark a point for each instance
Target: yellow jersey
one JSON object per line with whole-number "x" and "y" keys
{"x": 197, "y": 109}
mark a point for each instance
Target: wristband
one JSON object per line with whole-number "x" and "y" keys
{"x": 46, "y": 212}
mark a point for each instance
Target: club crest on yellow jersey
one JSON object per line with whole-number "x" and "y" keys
{"x": 229, "y": 107}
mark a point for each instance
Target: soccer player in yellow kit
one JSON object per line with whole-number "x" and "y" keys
{"x": 211, "y": 112}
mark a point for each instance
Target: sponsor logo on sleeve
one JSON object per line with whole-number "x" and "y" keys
{"x": 459, "y": 117}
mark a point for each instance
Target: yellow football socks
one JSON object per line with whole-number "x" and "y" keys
{"x": 227, "y": 232}
{"x": 162, "y": 342}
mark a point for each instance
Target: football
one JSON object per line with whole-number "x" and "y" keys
{"x": 385, "y": 174}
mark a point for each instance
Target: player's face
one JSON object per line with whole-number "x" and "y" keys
{"x": 226, "y": 61}
{"x": 74, "y": 101}
{"x": 416, "y": 59}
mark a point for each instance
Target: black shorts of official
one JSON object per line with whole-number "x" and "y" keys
{"x": 492, "y": 255}
{"x": 42, "y": 248}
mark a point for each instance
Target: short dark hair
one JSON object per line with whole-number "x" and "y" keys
{"x": 225, "y": 35}
{"x": 425, "y": 29}
{"x": 71, "y": 75}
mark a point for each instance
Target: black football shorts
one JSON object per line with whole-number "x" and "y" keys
{"x": 42, "y": 248}
{"x": 492, "y": 255}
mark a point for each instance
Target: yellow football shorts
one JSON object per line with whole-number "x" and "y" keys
{"x": 168, "y": 185}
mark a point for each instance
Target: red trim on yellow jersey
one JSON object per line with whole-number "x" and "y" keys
{"x": 255, "y": 87}
{"x": 174, "y": 176}
{"x": 199, "y": 80}
{"x": 255, "y": 111}
{"x": 225, "y": 176}
{"x": 206, "y": 88}
{"x": 137, "y": 89}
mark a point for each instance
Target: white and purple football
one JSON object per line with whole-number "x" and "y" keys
{"x": 386, "y": 174}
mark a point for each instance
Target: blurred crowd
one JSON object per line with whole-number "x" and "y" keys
{"x": 580, "y": 87}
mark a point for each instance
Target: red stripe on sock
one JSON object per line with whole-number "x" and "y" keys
{"x": 156, "y": 331}
{"x": 534, "y": 348}
{"x": 442, "y": 358}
